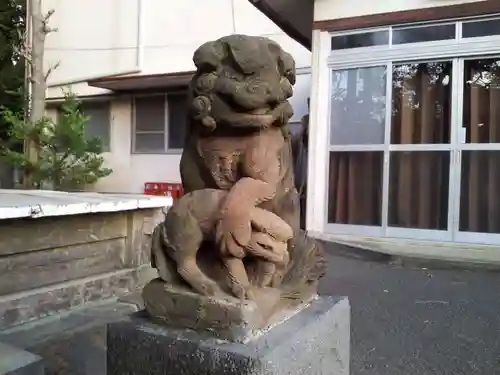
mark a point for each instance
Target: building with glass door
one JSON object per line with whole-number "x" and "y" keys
{"x": 405, "y": 126}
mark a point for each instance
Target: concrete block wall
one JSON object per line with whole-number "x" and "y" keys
{"x": 52, "y": 264}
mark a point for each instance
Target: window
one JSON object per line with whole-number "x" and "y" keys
{"x": 414, "y": 132}
{"x": 99, "y": 124}
{"x": 421, "y": 103}
{"x": 357, "y": 118}
{"x": 177, "y": 118}
{"x": 425, "y": 33}
{"x": 149, "y": 124}
{"x": 355, "y": 187}
{"x": 481, "y": 28}
{"x": 367, "y": 39}
{"x": 479, "y": 137}
{"x": 358, "y": 106}
{"x": 420, "y": 115}
{"x": 160, "y": 122}
{"x": 99, "y": 121}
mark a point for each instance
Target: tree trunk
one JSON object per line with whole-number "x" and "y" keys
{"x": 38, "y": 33}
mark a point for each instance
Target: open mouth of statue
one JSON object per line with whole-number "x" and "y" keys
{"x": 261, "y": 117}
{"x": 266, "y": 114}
{"x": 261, "y": 112}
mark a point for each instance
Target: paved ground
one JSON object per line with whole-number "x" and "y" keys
{"x": 405, "y": 321}
{"x": 414, "y": 321}
{"x": 73, "y": 344}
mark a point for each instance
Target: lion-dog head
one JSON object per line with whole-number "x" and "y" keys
{"x": 242, "y": 82}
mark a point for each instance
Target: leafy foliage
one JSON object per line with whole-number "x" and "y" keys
{"x": 12, "y": 63}
{"x": 66, "y": 160}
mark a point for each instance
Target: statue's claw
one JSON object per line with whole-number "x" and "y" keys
{"x": 243, "y": 292}
{"x": 233, "y": 235}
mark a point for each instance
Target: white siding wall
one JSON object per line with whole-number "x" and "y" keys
{"x": 98, "y": 38}
{"x": 334, "y": 9}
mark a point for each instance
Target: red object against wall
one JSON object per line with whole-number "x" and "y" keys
{"x": 164, "y": 188}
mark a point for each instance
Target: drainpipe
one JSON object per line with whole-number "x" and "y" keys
{"x": 139, "y": 59}
{"x": 27, "y": 68}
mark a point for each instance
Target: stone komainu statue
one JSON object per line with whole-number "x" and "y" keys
{"x": 238, "y": 142}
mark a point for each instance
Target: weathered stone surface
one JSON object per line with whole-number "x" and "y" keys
{"x": 51, "y": 264}
{"x": 15, "y": 361}
{"x": 59, "y": 231}
{"x": 178, "y": 242}
{"x": 239, "y": 143}
{"x": 228, "y": 318}
{"x": 313, "y": 342}
{"x": 140, "y": 225}
{"x": 27, "y": 306}
{"x": 45, "y": 267}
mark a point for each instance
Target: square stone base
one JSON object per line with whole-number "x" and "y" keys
{"x": 315, "y": 341}
{"x": 14, "y": 361}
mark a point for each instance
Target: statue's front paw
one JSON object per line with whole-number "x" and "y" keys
{"x": 233, "y": 234}
{"x": 243, "y": 292}
{"x": 212, "y": 289}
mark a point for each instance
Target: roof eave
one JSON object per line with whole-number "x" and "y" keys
{"x": 294, "y": 17}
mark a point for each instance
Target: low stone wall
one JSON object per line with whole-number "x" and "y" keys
{"x": 51, "y": 264}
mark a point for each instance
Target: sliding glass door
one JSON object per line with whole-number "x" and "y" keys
{"x": 419, "y": 150}
{"x": 477, "y": 210}
{"x": 414, "y": 132}
{"x": 357, "y": 148}
{"x": 415, "y": 153}
{"x": 390, "y": 150}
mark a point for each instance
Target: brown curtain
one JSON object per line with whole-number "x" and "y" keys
{"x": 355, "y": 188}
{"x": 480, "y": 187}
{"x": 419, "y": 180}
{"x": 355, "y": 178}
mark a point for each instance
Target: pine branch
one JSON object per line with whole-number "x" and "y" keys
{"x": 51, "y": 69}
{"x": 45, "y": 22}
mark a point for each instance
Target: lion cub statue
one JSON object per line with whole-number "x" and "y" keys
{"x": 192, "y": 221}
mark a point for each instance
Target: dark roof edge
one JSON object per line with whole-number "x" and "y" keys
{"x": 283, "y": 23}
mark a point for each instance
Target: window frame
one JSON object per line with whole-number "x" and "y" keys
{"x": 455, "y": 50}
{"x": 167, "y": 150}
{"x": 108, "y": 104}
{"x": 57, "y": 106}
{"x": 185, "y": 93}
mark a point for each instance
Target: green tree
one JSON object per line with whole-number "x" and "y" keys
{"x": 12, "y": 63}
{"x": 66, "y": 159}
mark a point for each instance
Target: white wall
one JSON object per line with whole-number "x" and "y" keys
{"x": 99, "y": 38}
{"x": 334, "y": 9}
{"x": 131, "y": 171}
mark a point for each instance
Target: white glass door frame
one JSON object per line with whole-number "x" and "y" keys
{"x": 458, "y": 235}
{"x": 351, "y": 229}
{"x": 384, "y": 230}
{"x": 422, "y": 233}
{"x": 434, "y": 234}
{"x": 456, "y": 50}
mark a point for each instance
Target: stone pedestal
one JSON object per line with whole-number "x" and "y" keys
{"x": 314, "y": 341}
{"x": 226, "y": 318}
{"x": 14, "y": 361}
